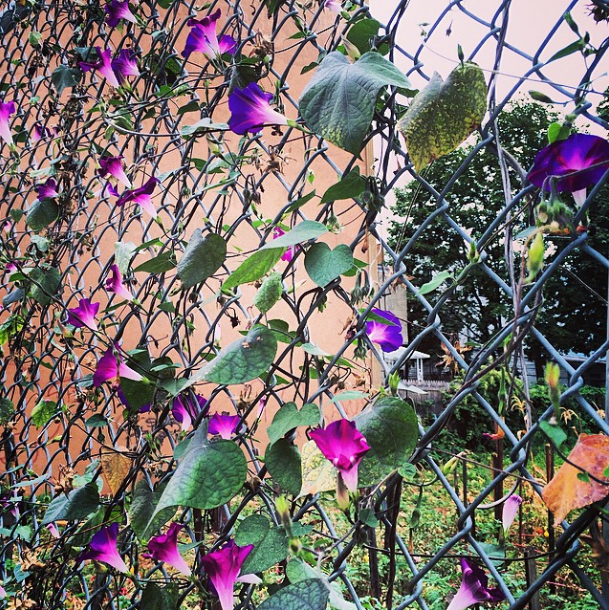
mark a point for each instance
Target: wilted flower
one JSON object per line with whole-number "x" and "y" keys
{"x": 103, "y": 65}
{"x": 389, "y": 335}
{"x": 111, "y": 366}
{"x": 117, "y": 10}
{"x": 141, "y": 196}
{"x": 6, "y": 110}
{"x": 103, "y": 548}
{"x": 474, "y": 588}
{"x": 185, "y": 408}
{"x": 345, "y": 446}
{"x": 223, "y": 425}
{"x": 576, "y": 163}
{"x": 125, "y": 65}
{"x": 114, "y": 167}
{"x": 223, "y": 568}
{"x": 84, "y": 314}
{"x": 203, "y": 38}
{"x": 48, "y": 190}
{"x": 114, "y": 284}
{"x": 251, "y": 110}
{"x": 334, "y": 5}
{"x": 165, "y": 548}
{"x": 510, "y": 510}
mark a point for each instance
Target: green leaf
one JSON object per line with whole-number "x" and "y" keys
{"x": 270, "y": 543}
{"x": 324, "y": 265}
{"x": 434, "y": 283}
{"x": 289, "y": 417}
{"x": 123, "y": 253}
{"x": 554, "y": 432}
{"x": 285, "y": 467}
{"x": 496, "y": 552}
{"x": 142, "y": 516}
{"x": 78, "y": 504}
{"x": 201, "y": 127}
{"x": 310, "y": 594}
{"x": 556, "y": 132}
{"x": 444, "y": 114}
{"x": 203, "y": 256}
{"x": 243, "y": 360}
{"x": 361, "y": 34}
{"x": 338, "y": 103}
{"x": 253, "y": 268}
{"x": 574, "y": 47}
{"x": 7, "y": 410}
{"x": 42, "y": 214}
{"x": 64, "y": 77}
{"x": 298, "y": 203}
{"x": 209, "y": 475}
{"x": 160, "y": 598}
{"x": 350, "y": 185}
{"x": 159, "y": 264}
{"x": 44, "y": 412}
{"x": 269, "y": 293}
{"x": 304, "y": 231}
{"x": 391, "y": 429}
{"x": 96, "y": 421}
{"x": 538, "y": 96}
{"x": 137, "y": 393}
{"x": 48, "y": 282}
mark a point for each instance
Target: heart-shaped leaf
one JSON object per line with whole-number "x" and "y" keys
{"x": 309, "y": 594}
{"x": 203, "y": 256}
{"x": 270, "y": 543}
{"x": 42, "y": 214}
{"x": 444, "y": 114}
{"x": 77, "y": 504}
{"x": 324, "y": 265}
{"x": 289, "y": 417}
{"x": 253, "y": 268}
{"x": 283, "y": 461}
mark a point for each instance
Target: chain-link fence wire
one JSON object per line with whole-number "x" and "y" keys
{"x": 66, "y": 120}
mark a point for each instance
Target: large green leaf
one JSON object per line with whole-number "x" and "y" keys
{"x": 202, "y": 258}
{"x": 253, "y": 268}
{"x": 241, "y": 361}
{"x": 285, "y": 467}
{"x": 338, "y": 103}
{"x": 304, "y": 231}
{"x": 324, "y": 265}
{"x": 42, "y": 214}
{"x": 47, "y": 283}
{"x": 142, "y": 509}
{"x": 269, "y": 293}
{"x": 209, "y": 475}
{"x": 63, "y": 76}
{"x": 159, "y": 264}
{"x": 77, "y": 504}
{"x": 444, "y": 114}
{"x": 270, "y": 543}
{"x": 289, "y": 417}
{"x": 309, "y": 594}
{"x": 160, "y": 598}
{"x": 350, "y": 185}
{"x": 391, "y": 429}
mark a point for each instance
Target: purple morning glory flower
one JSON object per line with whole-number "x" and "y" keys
{"x": 53, "y": 530}
{"x": 290, "y": 253}
{"x": 117, "y": 10}
{"x": 141, "y": 196}
{"x": 114, "y": 284}
{"x": 103, "y": 65}
{"x": 103, "y": 548}
{"x": 251, "y": 110}
{"x": 40, "y": 132}
{"x": 185, "y": 408}
{"x": 388, "y": 336}
{"x": 345, "y": 446}
{"x": 223, "y": 568}
{"x": 84, "y": 314}
{"x": 48, "y": 190}
{"x": 114, "y": 167}
{"x": 334, "y": 5}
{"x": 474, "y": 588}
{"x": 6, "y": 110}
{"x": 125, "y": 65}
{"x": 223, "y": 425}
{"x": 510, "y": 510}
{"x": 2, "y": 592}
{"x": 203, "y": 38}
{"x": 577, "y": 162}
{"x": 112, "y": 366}
{"x": 10, "y": 267}
{"x": 165, "y": 548}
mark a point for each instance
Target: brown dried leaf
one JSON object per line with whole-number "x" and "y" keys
{"x": 566, "y": 492}
{"x": 115, "y": 468}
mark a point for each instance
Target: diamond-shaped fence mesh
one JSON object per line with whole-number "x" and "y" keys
{"x": 71, "y": 231}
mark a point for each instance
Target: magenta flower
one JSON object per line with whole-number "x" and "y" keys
{"x": 223, "y": 425}
{"x": 203, "y": 38}
{"x": 10, "y": 267}
{"x": 48, "y": 190}
{"x": 474, "y": 588}
{"x": 333, "y": 5}
{"x": 165, "y": 548}
{"x": 53, "y": 530}
{"x": 223, "y": 568}
{"x": 6, "y": 110}
{"x": 2, "y": 592}
{"x": 84, "y": 314}
{"x": 111, "y": 367}
{"x": 576, "y": 163}
{"x": 345, "y": 446}
{"x": 40, "y": 132}
{"x": 117, "y": 10}
{"x": 125, "y": 65}
{"x": 510, "y": 510}
{"x": 185, "y": 408}
{"x": 103, "y": 65}
{"x": 290, "y": 253}
{"x": 103, "y": 548}
{"x": 114, "y": 284}
{"x": 251, "y": 110}
{"x": 389, "y": 335}
{"x": 141, "y": 196}
{"x": 114, "y": 167}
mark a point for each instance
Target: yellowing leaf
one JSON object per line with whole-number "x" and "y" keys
{"x": 318, "y": 474}
{"x": 115, "y": 468}
{"x": 566, "y": 491}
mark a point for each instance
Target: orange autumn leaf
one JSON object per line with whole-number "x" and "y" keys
{"x": 566, "y": 492}
{"x": 115, "y": 468}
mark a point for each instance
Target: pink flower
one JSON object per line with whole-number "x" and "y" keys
{"x": 6, "y": 110}
{"x": 103, "y": 65}
{"x": 251, "y": 110}
{"x": 141, "y": 196}
{"x": 185, "y": 408}
{"x": 345, "y": 446}
{"x": 84, "y": 314}
{"x": 117, "y": 10}
{"x": 223, "y": 425}
{"x": 289, "y": 254}
{"x": 165, "y": 548}
{"x": 203, "y": 38}
{"x": 103, "y": 548}
{"x": 115, "y": 284}
{"x": 111, "y": 367}
{"x": 474, "y": 588}
{"x": 53, "y": 530}
{"x": 510, "y": 510}
{"x": 333, "y": 5}
{"x": 114, "y": 167}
